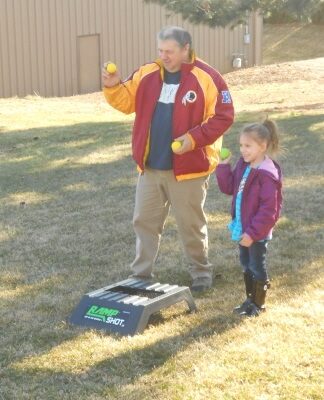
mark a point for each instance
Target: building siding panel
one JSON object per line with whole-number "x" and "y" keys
{"x": 39, "y": 51}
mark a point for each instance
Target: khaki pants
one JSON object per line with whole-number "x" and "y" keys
{"x": 156, "y": 191}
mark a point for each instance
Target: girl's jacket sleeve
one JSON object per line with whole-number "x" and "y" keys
{"x": 225, "y": 178}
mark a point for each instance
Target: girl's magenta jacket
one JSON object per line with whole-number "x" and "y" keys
{"x": 262, "y": 195}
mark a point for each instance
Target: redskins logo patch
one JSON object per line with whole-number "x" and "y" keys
{"x": 190, "y": 97}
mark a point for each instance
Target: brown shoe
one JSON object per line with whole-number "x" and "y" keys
{"x": 201, "y": 283}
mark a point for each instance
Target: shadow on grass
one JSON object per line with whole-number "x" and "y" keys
{"x": 132, "y": 363}
{"x": 116, "y": 373}
{"x": 44, "y": 157}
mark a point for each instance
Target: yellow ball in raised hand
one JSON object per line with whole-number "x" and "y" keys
{"x": 176, "y": 145}
{"x": 111, "y": 68}
{"x": 224, "y": 153}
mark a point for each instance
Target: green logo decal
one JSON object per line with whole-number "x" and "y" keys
{"x": 104, "y": 314}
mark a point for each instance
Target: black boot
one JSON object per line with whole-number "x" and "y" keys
{"x": 258, "y": 298}
{"x": 248, "y": 280}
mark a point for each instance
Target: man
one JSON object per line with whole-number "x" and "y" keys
{"x": 176, "y": 97}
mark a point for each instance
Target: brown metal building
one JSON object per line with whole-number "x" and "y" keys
{"x": 57, "y": 47}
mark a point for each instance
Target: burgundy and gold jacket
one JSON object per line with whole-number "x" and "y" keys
{"x": 203, "y": 108}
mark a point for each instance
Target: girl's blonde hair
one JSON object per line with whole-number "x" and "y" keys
{"x": 267, "y": 131}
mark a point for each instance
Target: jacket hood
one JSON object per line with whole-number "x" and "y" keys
{"x": 271, "y": 167}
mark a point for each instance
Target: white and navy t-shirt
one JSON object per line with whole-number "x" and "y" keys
{"x": 160, "y": 155}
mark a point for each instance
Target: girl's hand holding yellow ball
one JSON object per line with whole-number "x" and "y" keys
{"x": 225, "y": 154}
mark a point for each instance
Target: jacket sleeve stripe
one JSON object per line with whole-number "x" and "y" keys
{"x": 218, "y": 114}
{"x": 122, "y": 96}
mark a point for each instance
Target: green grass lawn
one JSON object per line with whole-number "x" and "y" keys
{"x": 292, "y": 42}
{"x": 67, "y": 192}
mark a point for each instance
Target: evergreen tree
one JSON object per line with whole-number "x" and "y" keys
{"x": 224, "y": 12}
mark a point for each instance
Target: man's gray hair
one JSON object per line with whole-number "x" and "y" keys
{"x": 180, "y": 35}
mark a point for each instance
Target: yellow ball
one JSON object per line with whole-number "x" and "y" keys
{"x": 111, "y": 68}
{"x": 224, "y": 153}
{"x": 176, "y": 145}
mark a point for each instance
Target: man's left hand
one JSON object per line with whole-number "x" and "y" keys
{"x": 187, "y": 144}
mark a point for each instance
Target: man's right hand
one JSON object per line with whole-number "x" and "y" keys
{"x": 109, "y": 80}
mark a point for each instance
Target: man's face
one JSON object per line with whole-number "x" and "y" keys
{"x": 172, "y": 55}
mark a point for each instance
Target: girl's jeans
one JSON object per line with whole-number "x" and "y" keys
{"x": 253, "y": 260}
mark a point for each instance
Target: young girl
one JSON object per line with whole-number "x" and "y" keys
{"x": 255, "y": 184}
